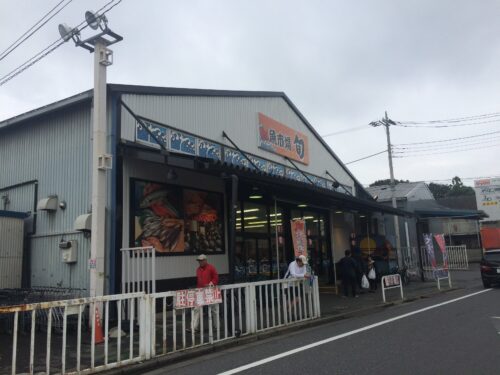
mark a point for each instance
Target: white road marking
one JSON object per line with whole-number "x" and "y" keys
{"x": 350, "y": 333}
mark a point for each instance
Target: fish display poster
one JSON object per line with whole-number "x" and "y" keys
{"x": 176, "y": 220}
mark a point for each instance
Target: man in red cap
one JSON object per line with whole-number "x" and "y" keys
{"x": 206, "y": 276}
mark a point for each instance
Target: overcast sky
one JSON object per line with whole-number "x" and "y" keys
{"x": 343, "y": 63}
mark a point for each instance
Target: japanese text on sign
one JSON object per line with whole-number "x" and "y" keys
{"x": 392, "y": 280}
{"x": 197, "y": 297}
{"x": 280, "y": 139}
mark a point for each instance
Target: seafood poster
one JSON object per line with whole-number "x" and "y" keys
{"x": 175, "y": 220}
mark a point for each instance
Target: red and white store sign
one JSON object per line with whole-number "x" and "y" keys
{"x": 189, "y": 298}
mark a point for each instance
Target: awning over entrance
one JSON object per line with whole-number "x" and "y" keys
{"x": 431, "y": 209}
{"x": 324, "y": 197}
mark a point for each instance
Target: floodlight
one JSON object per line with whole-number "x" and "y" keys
{"x": 65, "y": 31}
{"x": 95, "y": 21}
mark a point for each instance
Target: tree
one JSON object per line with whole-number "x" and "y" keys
{"x": 388, "y": 182}
{"x": 456, "y": 189}
{"x": 439, "y": 190}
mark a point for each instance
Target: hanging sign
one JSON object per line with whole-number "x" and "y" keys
{"x": 299, "y": 237}
{"x": 189, "y": 298}
{"x": 282, "y": 140}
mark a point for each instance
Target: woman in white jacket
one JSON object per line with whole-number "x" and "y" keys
{"x": 296, "y": 269}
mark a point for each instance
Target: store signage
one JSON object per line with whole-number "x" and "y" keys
{"x": 282, "y": 140}
{"x": 299, "y": 237}
{"x": 189, "y": 298}
{"x": 273, "y": 136}
{"x": 488, "y": 197}
{"x": 392, "y": 281}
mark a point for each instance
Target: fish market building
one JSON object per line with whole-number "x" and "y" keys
{"x": 224, "y": 173}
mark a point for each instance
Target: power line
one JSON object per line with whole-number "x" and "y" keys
{"x": 366, "y": 157}
{"x": 49, "y": 49}
{"x": 464, "y": 143}
{"x": 345, "y": 131}
{"x": 406, "y": 125}
{"x": 25, "y": 37}
{"x": 454, "y": 120}
{"x": 449, "y": 140}
{"x": 403, "y": 155}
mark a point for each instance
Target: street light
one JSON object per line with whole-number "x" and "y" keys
{"x": 101, "y": 160}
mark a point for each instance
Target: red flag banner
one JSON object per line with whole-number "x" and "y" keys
{"x": 299, "y": 237}
{"x": 442, "y": 246}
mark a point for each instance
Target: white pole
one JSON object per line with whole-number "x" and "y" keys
{"x": 99, "y": 135}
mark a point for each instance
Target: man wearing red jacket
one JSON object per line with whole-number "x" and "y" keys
{"x": 206, "y": 276}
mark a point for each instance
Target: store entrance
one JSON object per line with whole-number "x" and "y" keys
{"x": 264, "y": 234}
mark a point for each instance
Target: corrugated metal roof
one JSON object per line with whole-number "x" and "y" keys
{"x": 152, "y": 90}
{"x": 401, "y": 191}
{"x": 78, "y": 98}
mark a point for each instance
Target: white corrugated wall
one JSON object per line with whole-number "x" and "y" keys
{"x": 55, "y": 150}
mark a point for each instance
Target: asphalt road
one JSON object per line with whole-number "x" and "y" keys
{"x": 440, "y": 335}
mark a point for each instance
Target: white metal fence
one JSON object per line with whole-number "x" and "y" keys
{"x": 139, "y": 326}
{"x": 138, "y": 270}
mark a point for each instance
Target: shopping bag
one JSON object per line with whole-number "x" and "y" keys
{"x": 365, "y": 283}
{"x": 372, "y": 275}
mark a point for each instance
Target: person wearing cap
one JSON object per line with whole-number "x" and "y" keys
{"x": 206, "y": 276}
{"x": 296, "y": 269}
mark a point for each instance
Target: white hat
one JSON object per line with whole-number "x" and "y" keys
{"x": 202, "y": 257}
{"x": 302, "y": 258}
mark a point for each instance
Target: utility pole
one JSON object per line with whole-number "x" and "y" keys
{"x": 101, "y": 160}
{"x": 387, "y": 122}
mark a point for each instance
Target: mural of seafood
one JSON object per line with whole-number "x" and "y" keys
{"x": 177, "y": 221}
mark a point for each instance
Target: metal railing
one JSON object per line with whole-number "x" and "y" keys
{"x": 138, "y": 270}
{"x": 101, "y": 333}
{"x": 457, "y": 257}
{"x": 246, "y": 308}
{"x": 45, "y": 349}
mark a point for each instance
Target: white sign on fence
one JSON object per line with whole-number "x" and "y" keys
{"x": 189, "y": 298}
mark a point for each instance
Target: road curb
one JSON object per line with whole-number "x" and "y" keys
{"x": 182, "y": 355}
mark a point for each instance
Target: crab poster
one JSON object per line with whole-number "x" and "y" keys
{"x": 178, "y": 221}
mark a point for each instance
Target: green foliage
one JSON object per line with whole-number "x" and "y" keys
{"x": 456, "y": 189}
{"x": 388, "y": 182}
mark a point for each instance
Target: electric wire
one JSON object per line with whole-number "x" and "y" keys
{"x": 464, "y": 143}
{"x": 30, "y": 31}
{"x": 453, "y": 120}
{"x": 444, "y": 152}
{"x": 449, "y": 140}
{"x": 50, "y": 48}
{"x": 345, "y": 131}
{"x": 366, "y": 157}
{"x": 404, "y": 125}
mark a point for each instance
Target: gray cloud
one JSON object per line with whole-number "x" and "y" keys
{"x": 342, "y": 63}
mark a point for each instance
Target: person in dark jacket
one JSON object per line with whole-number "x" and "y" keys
{"x": 349, "y": 272}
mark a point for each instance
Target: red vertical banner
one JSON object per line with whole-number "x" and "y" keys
{"x": 442, "y": 247}
{"x": 299, "y": 237}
